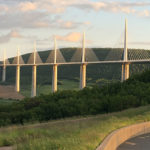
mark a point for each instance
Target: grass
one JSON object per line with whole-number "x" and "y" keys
{"x": 46, "y": 89}
{"x": 72, "y": 133}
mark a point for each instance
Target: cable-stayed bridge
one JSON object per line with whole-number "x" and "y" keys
{"x": 83, "y": 56}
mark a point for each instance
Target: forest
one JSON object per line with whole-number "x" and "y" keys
{"x": 112, "y": 97}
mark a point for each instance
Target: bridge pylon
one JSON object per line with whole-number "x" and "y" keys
{"x": 4, "y": 67}
{"x": 18, "y": 72}
{"x": 5, "y": 62}
{"x": 125, "y": 65}
{"x": 55, "y": 68}
{"x": 82, "y": 76}
{"x": 18, "y": 78}
{"x": 18, "y": 61}
{"x": 4, "y": 74}
{"x": 125, "y": 71}
{"x": 34, "y": 73}
{"x": 83, "y": 66}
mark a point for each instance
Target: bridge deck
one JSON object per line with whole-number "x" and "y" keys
{"x": 79, "y": 63}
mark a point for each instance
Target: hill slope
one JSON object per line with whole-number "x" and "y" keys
{"x": 89, "y": 101}
{"x": 71, "y": 134}
{"x": 7, "y": 92}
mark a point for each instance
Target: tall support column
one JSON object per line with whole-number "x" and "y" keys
{"x": 122, "y": 73}
{"x": 4, "y": 67}
{"x": 18, "y": 78}
{"x": 125, "y": 71}
{"x": 18, "y": 72}
{"x": 82, "y": 76}
{"x": 83, "y": 66}
{"x": 55, "y": 69}
{"x": 34, "y": 70}
{"x": 54, "y": 79}
{"x": 4, "y": 74}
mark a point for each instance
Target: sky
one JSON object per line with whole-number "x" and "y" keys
{"x": 23, "y": 22}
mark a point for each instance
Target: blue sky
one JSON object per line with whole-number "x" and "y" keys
{"x": 26, "y": 21}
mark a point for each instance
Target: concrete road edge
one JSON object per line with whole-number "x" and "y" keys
{"x": 117, "y": 137}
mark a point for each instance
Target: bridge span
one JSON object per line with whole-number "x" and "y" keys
{"x": 56, "y": 59}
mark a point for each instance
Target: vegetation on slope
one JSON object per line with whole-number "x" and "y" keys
{"x": 70, "y": 134}
{"x": 90, "y": 101}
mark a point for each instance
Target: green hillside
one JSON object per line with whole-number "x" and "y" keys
{"x": 112, "y": 97}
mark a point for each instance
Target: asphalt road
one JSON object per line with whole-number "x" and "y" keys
{"x": 141, "y": 142}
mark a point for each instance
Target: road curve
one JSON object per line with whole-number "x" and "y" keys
{"x": 141, "y": 142}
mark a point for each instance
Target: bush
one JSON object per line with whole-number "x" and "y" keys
{"x": 89, "y": 101}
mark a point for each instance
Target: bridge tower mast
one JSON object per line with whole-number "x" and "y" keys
{"x": 125, "y": 65}
{"x": 4, "y": 67}
{"x": 18, "y": 72}
{"x": 34, "y": 72}
{"x": 55, "y": 67}
{"x": 83, "y": 66}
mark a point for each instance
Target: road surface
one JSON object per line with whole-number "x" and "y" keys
{"x": 141, "y": 142}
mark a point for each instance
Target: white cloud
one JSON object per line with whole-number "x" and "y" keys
{"x": 24, "y": 20}
{"x": 27, "y": 6}
{"x": 61, "y": 24}
{"x": 145, "y": 13}
{"x": 39, "y": 13}
{"x": 15, "y": 34}
{"x": 71, "y": 37}
{"x": 57, "y": 6}
{"x": 12, "y": 34}
{"x": 110, "y": 6}
{"x": 115, "y": 7}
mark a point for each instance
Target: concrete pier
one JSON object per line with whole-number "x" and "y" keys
{"x": 17, "y": 78}
{"x": 18, "y": 72}
{"x": 4, "y": 74}
{"x": 54, "y": 78}
{"x": 82, "y": 76}
{"x": 125, "y": 72}
{"x": 34, "y": 71}
{"x": 4, "y": 67}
